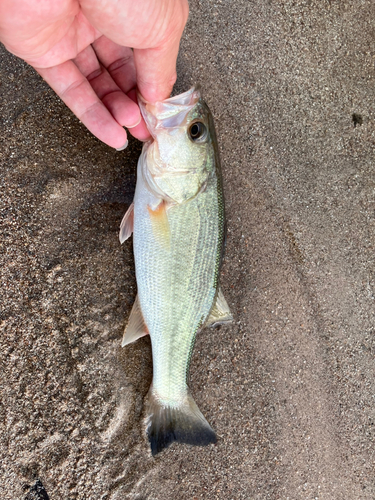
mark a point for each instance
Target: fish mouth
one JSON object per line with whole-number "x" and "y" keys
{"x": 170, "y": 113}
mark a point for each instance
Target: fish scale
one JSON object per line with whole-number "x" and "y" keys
{"x": 177, "y": 287}
{"x": 177, "y": 219}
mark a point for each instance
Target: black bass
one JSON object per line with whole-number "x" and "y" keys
{"x": 177, "y": 220}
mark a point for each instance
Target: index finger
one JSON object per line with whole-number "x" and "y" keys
{"x": 74, "y": 89}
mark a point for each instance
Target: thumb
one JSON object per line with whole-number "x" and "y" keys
{"x": 156, "y": 67}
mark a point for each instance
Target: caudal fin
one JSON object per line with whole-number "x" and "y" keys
{"x": 183, "y": 423}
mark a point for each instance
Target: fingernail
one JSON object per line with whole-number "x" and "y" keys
{"x": 123, "y": 147}
{"x": 135, "y": 124}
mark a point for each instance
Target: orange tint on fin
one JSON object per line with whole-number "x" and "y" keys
{"x": 160, "y": 224}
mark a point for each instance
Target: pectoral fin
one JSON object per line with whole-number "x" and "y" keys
{"x": 127, "y": 224}
{"x": 220, "y": 312}
{"x": 160, "y": 224}
{"x": 136, "y": 327}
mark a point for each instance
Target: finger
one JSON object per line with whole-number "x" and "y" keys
{"x": 156, "y": 72}
{"x": 119, "y": 62}
{"x": 156, "y": 67}
{"x": 74, "y": 89}
{"x": 140, "y": 132}
{"x": 124, "y": 110}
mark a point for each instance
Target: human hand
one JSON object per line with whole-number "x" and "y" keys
{"x": 83, "y": 50}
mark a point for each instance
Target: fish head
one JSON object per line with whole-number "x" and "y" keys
{"x": 181, "y": 155}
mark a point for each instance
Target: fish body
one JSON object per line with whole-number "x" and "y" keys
{"x": 179, "y": 230}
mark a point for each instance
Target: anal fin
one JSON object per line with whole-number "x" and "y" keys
{"x": 136, "y": 327}
{"x": 220, "y": 312}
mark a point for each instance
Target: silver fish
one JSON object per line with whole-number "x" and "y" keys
{"x": 177, "y": 220}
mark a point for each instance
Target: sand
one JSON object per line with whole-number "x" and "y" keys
{"x": 289, "y": 387}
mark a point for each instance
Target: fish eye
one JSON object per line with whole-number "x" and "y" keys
{"x": 198, "y": 132}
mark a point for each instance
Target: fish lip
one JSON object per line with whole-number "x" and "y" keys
{"x": 169, "y": 113}
{"x": 173, "y": 99}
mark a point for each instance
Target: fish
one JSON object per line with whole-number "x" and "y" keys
{"x": 178, "y": 223}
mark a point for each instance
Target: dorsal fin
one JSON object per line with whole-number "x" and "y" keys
{"x": 127, "y": 224}
{"x": 136, "y": 327}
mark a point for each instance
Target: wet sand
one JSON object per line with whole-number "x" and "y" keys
{"x": 289, "y": 387}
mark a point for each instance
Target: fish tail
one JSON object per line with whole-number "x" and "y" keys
{"x": 184, "y": 423}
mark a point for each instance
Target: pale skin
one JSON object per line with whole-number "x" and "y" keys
{"x": 83, "y": 50}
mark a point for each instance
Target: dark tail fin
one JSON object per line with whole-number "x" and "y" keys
{"x": 183, "y": 423}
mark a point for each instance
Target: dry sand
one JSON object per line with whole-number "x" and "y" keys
{"x": 289, "y": 387}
